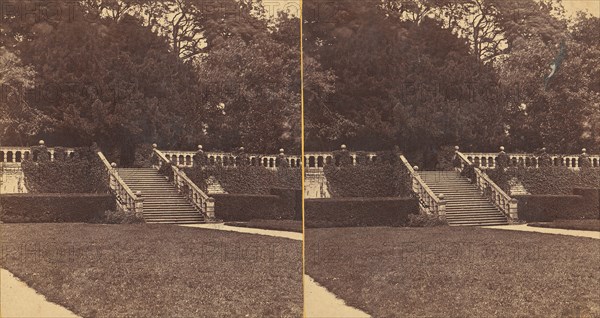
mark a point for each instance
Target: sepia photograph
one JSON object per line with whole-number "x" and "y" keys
{"x": 300, "y": 158}
{"x": 452, "y": 158}
{"x": 150, "y": 158}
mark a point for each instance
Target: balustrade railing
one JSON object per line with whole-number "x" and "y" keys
{"x": 486, "y": 160}
{"x": 429, "y": 202}
{"x": 318, "y": 160}
{"x": 204, "y": 203}
{"x": 490, "y": 189}
{"x": 227, "y": 159}
{"x": 16, "y": 155}
{"x": 126, "y": 199}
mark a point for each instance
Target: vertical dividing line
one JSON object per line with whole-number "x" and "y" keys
{"x": 302, "y": 155}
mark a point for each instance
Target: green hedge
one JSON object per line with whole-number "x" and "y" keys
{"x": 48, "y": 208}
{"x": 247, "y": 179}
{"x": 353, "y": 212}
{"x": 547, "y": 180}
{"x": 546, "y": 208}
{"x": 245, "y": 207}
{"x": 84, "y": 173}
{"x": 368, "y": 181}
{"x": 290, "y": 202}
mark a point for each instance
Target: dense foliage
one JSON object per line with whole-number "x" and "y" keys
{"x": 247, "y": 179}
{"x": 547, "y": 180}
{"x": 49, "y": 208}
{"x": 246, "y": 207}
{"x": 127, "y": 72}
{"x": 82, "y": 173}
{"x": 367, "y": 181}
{"x": 425, "y": 75}
{"x": 545, "y": 208}
{"x": 351, "y": 212}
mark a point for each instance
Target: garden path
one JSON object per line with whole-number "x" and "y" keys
{"x": 19, "y": 300}
{"x": 524, "y": 227}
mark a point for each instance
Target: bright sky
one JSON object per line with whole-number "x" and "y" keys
{"x": 591, "y": 6}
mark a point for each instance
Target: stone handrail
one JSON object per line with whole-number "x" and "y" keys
{"x": 487, "y": 160}
{"x": 490, "y": 189}
{"x": 186, "y": 158}
{"x": 133, "y": 202}
{"x": 430, "y": 203}
{"x": 188, "y": 188}
{"x": 16, "y": 155}
{"x": 318, "y": 159}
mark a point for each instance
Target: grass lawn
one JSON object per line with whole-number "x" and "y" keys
{"x": 582, "y": 225}
{"x": 457, "y": 272}
{"x": 149, "y": 270}
{"x": 278, "y": 225}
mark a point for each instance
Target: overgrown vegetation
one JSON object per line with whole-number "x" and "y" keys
{"x": 247, "y": 179}
{"x": 375, "y": 180}
{"x": 547, "y": 180}
{"x": 82, "y": 173}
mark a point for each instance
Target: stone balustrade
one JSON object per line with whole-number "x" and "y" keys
{"x": 227, "y": 159}
{"x": 16, "y": 155}
{"x": 319, "y": 159}
{"x": 488, "y": 160}
{"x": 126, "y": 199}
{"x": 188, "y": 188}
{"x": 429, "y": 203}
{"x": 506, "y": 204}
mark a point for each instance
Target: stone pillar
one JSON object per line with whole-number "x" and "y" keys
{"x": 513, "y": 209}
{"x": 442, "y": 207}
{"x": 210, "y": 210}
{"x": 139, "y": 204}
{"x": 584, "y": 160}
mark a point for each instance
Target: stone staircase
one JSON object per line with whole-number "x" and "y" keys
{"x": 465, "y": 205}
{"x": 162, "y": 202}
{"x": 315, "y": 184}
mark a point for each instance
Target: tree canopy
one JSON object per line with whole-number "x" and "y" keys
{"x": 127, "y": 72}
{"x": 428, "y": 74}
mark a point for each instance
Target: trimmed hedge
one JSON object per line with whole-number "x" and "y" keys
{"x": 369, "y": 181}
{"x": 84, "y": 173}
{"x": 583, "y": 204}
{"x": 245, "y": 207}
{"x": 547, "y": 180}
{"x": 247, "y": 179}
{"x": 290, "y": 202}
{"x": 49, "y": 208}
{"x": 354, "y": 212}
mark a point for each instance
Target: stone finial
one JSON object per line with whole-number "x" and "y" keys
{"x": 199, "y": 147}
{"x": 501, "y": 148}
{"x": 544, "y": 149}
{"x": 138, "y": 193}
{"x": 41, "y": 142}
{"x": 281, "y": 151}
{"x": 416, "y": 168}
{"x": 456, "y": 148}
{"x": 583, "y": 150}
{"x": 343, "y": 147}
{"x": 242, "y": 149}
{"x": 114, "y": 165}
{"x": 441, "y": 196}
{"x": 154, "y": 146}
